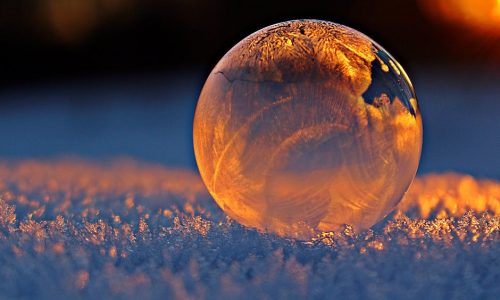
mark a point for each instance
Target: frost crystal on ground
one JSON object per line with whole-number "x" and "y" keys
{"x": 126, "y": 230}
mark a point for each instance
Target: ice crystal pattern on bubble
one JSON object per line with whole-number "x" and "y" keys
{"x": 305, "y": 126}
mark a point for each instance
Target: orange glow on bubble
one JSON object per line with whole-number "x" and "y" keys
{"x": 305, "y": 126}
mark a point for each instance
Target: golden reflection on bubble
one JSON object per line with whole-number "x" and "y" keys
{"x": 305, "y": 126}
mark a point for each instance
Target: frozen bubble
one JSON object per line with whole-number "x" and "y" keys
{"x": 305, "y": 126}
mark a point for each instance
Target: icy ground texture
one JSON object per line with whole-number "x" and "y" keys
{"x": 76, "y": 229}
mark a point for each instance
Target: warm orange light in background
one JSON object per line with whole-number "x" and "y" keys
{"x": 479, "y": 15}
{"x": 71, "y": 22}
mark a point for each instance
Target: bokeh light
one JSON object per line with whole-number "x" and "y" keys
{"x": 483, "y": 15}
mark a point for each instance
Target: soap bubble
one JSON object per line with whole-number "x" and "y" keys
{"x": 307, "y": 125}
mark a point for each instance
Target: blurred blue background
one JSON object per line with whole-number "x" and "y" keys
{"x": 150, "y": 118}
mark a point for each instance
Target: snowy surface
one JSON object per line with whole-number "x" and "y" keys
{"x": 123, "y": 229}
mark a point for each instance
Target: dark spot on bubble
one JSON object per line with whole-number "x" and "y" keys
{"x": 382, "y": 100}
{"x": 387, "y": 84}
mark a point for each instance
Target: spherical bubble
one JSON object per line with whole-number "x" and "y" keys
{"x": 307, "y": 125}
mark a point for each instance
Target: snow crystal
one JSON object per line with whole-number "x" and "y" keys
{"x": 124, "y": 229}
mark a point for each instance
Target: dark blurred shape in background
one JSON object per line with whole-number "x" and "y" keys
{"x": 101, "y": 78}
{"x": 58, "y": 38}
